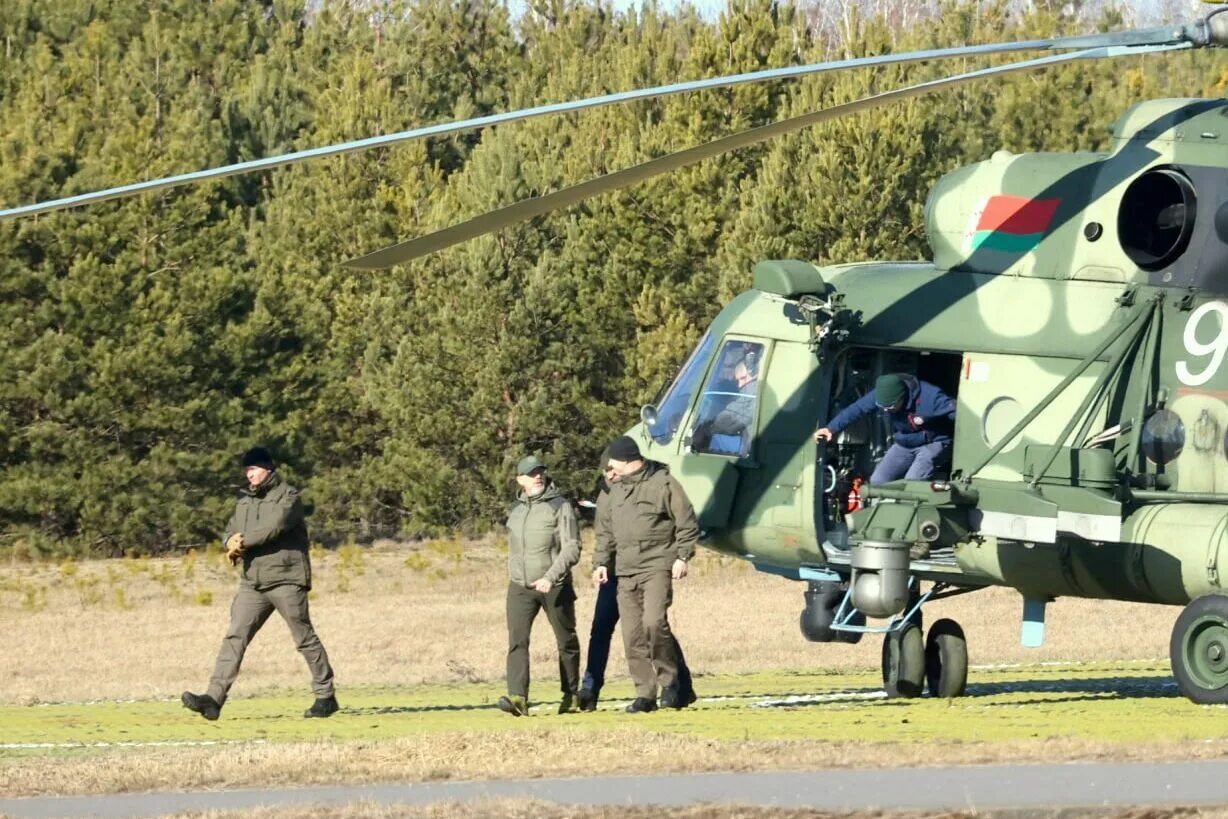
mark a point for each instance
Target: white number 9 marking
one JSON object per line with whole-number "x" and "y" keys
{"x": 1216, "y": 348}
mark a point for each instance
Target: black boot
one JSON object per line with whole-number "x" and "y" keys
{"x": 324, "y": 707}
{"x": 587, "y": 699}
{"x": 642, "y": 705}
{"x": 202, "y": 704}
{"x": 672, "y": 698}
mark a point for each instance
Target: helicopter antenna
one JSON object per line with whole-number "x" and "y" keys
{"x": 1200, "y": 33}
{"x": 529, "y": 208}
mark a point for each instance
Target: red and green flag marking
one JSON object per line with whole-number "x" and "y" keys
{"x": 1013, "y": 223}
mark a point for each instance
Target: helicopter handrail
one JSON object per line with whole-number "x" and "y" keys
{"x": 1165, "y": 496}
{"x": 1153, "y": 350}
{"x": 1139, "y": 313}
{"x": 1098, "y": 390}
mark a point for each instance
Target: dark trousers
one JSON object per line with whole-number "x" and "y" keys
{"x": 915, "y": 463}
{"x": 523, "y": 604}
{"x": 605, "y": 618}
{"x": 248, "y": 612}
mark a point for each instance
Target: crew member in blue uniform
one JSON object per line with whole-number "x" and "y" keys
{"x": 922, "y": 421}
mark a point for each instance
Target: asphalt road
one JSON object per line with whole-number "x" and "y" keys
{"x": 1071, "y": 785}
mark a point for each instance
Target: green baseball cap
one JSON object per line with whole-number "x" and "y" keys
{"x": 528, "y": 463}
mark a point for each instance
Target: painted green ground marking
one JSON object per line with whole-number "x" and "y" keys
{"x": 1125, "y": 703}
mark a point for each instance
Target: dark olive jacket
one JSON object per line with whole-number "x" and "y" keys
{"x": 543, "y": 538}
{"x": 644, "y": 523}
{"x": 274, "y": 534}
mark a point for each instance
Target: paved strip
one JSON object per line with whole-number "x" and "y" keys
{"x": 1077, "y": 785}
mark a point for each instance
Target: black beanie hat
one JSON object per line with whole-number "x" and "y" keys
{"x": 624, "y": 448}
{"x": 259, "y": 456}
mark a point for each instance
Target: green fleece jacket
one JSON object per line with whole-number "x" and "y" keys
{"x": 274, "y": 534}
{"x": 543, "y": 538}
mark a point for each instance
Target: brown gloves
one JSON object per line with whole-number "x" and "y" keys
{"x": 235, "y": 548}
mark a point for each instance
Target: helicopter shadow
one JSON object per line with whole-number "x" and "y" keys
{"x": 1084, "y": 689}
{"x": 1079, "y": 690}
{"x": 387, "y": 710}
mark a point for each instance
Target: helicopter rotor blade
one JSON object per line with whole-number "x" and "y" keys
{"x": 538, "y": 206}
{"x": 1192, "y": 34}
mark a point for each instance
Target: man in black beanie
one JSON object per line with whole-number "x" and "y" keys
{"x": 646, "y": 532}
{"x": 605, "y": 618}
{"x": 268, "y": 534}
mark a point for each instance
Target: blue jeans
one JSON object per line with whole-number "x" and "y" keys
{"x": 605, "y": 618}
{"x": 913, "y": 463}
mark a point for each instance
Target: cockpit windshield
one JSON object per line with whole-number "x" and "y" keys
{"x": 678, "y": 397}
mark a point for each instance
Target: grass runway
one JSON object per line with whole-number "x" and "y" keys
{"x": 1104, "y": 703}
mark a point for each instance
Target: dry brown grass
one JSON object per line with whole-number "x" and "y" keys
{"x": 433, "y": 612}
{"x": 535, "y": 809}
{"x": 554, "y": 753}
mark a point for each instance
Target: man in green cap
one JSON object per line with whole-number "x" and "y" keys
{"x": 543, "y": 545}
{"x": 922, "y": 421}
{"x": 268, "y": 535}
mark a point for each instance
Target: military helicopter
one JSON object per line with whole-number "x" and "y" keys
{"x": 1096, "y": 281}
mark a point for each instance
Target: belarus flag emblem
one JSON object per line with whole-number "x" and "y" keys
{"x": 1014, "y": 224}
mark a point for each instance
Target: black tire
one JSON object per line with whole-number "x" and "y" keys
{"x": 1198, "y": 650}
{"x": 819, "y": 613}
{"x": 903, "y": 662}
{"x": 852, "y": 637}
{"x": 946, "y": 659}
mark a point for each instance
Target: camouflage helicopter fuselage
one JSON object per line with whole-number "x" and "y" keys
{"x": 1076, "y": 305}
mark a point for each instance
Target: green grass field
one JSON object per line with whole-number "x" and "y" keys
{"x": 1124, "y": 702}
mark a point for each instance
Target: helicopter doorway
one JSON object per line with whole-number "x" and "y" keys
{"x": 849, "y": 461}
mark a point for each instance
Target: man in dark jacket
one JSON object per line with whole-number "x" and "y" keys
{"x": 268, "y": 534}
{"x": 543, "y": 544}
{"x": 922, "y": 421}
{"x": 605, "y": 618}
{"x": 646, "y": 533}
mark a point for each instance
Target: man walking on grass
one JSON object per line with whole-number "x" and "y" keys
{"x": 605, "y": 618}
{"x": 268, "y": 535}
{"x": 647, "y": 531}
{"x": 543, "y": 544}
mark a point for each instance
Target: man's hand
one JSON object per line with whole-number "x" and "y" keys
{"x": 544, "y": 586}
{"x": 822, "y": 434}
{"x": 235, "y": 548}
{"x": 679, "y": 570}
{"x": 601, "y": 576}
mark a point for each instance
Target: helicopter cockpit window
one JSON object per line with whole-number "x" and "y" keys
{"x": 678, "y": 397}
{"x": 725, "y": 420}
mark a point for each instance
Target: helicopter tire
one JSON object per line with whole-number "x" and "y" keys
{"x": 946, "y": 659}
{"x": 903, "y": 662}
{"x": 1198, "y": 650}
{"x": 819, "y": 613}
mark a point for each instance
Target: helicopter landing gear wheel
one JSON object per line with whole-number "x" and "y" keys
{"x": 1198, "y": 650}
{"x": 820, "y": 612}
{"x": 946, "y": 659}
{"x": 903, "y": 662}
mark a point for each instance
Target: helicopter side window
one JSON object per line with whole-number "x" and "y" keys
{"x": 678, "y": 397}
{"x": 725, "y": 421}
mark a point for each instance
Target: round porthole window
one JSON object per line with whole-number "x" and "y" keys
{"x": 1163, "y": 437}
{"x": 1000, "y": 417}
